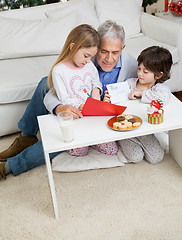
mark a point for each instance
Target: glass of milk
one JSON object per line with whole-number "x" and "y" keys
{"x": 66, "y": 123}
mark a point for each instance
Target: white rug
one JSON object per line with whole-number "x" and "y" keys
{"x": 133, "y": 202}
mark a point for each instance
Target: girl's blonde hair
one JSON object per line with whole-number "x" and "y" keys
{"x": 83, "y": 36}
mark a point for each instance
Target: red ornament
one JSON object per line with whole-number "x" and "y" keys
{"x": 176, "y": 7}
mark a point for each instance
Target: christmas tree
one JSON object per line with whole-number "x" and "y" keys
{"x": 14, "y": 4}
{"x": 147, "y": 2}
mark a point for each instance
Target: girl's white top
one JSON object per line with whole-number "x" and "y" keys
{"x": 70, "y": 83}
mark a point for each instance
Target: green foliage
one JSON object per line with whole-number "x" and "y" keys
{"x": 147, "y": 2}
{"x": 15, "y": 4}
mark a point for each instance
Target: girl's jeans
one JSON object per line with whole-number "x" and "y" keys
{"x": 32, "y": 156}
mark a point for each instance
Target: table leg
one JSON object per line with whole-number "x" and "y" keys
{"x": 175, "y": 146}
{"x": 51, "y": 184}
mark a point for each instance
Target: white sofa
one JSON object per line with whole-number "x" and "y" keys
{"x": 31, "y": 39}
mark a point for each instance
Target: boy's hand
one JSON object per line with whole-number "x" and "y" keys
{"x": 107, "y": 97}
{"x": 96, "y": 93}
{"x": 135, "y": 94}
{"x": 76, "y": 113}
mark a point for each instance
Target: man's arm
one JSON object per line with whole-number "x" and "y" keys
{"x": 53, "y": 105}
{"x": 51, "y": 101}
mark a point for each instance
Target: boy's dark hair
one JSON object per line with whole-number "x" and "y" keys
{"x": 157, "y": 60}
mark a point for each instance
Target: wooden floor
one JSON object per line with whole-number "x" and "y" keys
{"x": 178, "y": 95}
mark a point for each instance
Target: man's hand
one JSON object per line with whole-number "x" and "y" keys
{"x": 135, "y": 94}
{"x": 107, "y": 97}
{"x": 76, "y": 113}
{"x": 96, "y": 93}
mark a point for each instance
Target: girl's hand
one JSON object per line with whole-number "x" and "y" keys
{"x": 107, "y": 97}
{"x": 81, "y": 107}
{"x": 135, "y": 94}
{"x": 96, "y": 93}
{"x": 76, "y": 113}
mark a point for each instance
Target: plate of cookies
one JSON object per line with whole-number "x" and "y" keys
{"x": 124, "y": 122}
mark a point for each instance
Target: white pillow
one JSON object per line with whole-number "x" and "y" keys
{"x": 124, "y": 12}
{"x": 35, "y": 13}
{"x": 29, "y": 13}
{"x": 84, "y": 8}
{"x": 64, "y": 162}
{"x": 20, "y": 38}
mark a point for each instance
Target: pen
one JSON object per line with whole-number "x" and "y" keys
{"x": 85, "y": 91}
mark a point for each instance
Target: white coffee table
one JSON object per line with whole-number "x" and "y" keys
{"x": 94, "y": 130}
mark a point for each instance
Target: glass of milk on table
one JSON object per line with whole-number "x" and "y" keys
{"x": 66, "y": 124}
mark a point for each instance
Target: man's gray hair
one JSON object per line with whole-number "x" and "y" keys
{"x": 111, "y": 30}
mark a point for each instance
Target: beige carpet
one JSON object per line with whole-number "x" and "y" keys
{"x": 134, "y": 202}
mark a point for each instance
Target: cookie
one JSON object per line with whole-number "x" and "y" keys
{"x": 128, "y": 116}
{"x": 132, "y": 120}
{"x": 136, "y": 124}
{"x": 121, "y": 127}
{"x": 120, "y": 118}
{"x": 116, "y": 124}
{"x": 123, "y": 122}
{"x": 129, "y": 124}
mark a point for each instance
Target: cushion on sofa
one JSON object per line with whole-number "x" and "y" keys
{"x": 85, "y": 9}
{"x": 135, "y": 45}
{"x": 125, "y": 12}
{"x": 22, "y": 38}
{"x": 19, "y": 77}
{"x": 31, "y": 13}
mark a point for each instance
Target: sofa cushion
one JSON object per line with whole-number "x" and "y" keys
{"x": 31, "y": 13}
{"x": 135, "y": 45}
{"x": 19, "y": 77}
{"x": 85, "y": 9}
{"x": 124, "y": 12}
{"x": 22, "y": 38}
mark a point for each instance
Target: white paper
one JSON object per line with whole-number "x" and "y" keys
{"x": 119, "y": 92}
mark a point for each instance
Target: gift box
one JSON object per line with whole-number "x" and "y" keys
{"x": 155, "y": 118}
{"x": 155, "y": 112}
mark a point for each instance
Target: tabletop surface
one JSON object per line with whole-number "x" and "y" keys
{"x": 91, "y": 130}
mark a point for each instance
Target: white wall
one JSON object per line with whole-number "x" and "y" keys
{"x": 156, "y": 7}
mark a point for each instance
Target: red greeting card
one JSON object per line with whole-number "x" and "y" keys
{"x": 93, "y": 107}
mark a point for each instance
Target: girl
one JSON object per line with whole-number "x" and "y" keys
{"x": 154, "y": 64}
{"x": 73, "y": 73}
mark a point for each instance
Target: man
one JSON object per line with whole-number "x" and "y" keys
{"x": 113, "y": 64}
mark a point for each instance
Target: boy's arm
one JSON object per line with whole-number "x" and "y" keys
{"x": 159, "y": 91}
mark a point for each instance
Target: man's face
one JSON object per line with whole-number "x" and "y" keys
{"x": 108, "y": 54}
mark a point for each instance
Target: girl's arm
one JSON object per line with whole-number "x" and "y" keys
{"x": 96, "y": 93}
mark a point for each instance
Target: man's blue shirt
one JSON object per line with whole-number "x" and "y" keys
{"x": 109, "y": 77}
